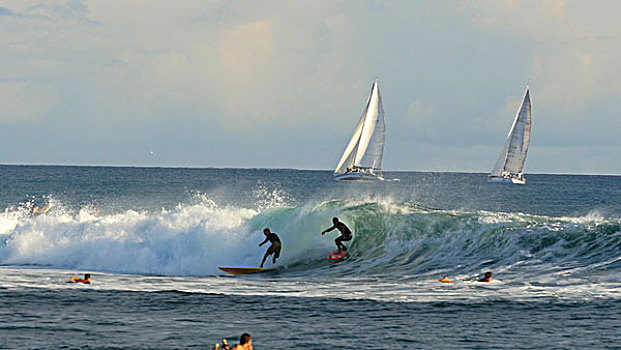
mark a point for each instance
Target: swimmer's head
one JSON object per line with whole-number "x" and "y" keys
{"x": 245, "y": 339}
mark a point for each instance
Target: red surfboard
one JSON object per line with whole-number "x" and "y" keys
{"x": 337, "y": 255}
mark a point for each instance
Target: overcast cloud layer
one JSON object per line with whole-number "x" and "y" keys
{"x": 283, "y": 83}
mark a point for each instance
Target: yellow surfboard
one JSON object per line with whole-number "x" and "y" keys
{"x": 243, "y": 270}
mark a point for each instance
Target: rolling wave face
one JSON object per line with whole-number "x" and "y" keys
{"x": 405, "y": 239}
{"x": 395, "y": 239}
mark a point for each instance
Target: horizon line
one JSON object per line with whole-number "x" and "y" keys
{"x": 281, "y": 168}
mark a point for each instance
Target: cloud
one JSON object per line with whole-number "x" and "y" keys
{"x": 278, "y": 72}
{"x": 421, "y": 116}
{"x": 574, "y": 56}
{"x": 6, "y": 12}
{"x": 421, "y": 111}
{"x": 69, "y": 10}
{"x": 26, "y": 101}
{"x": 245, "y": 47}
{"x": 244, "y": 55}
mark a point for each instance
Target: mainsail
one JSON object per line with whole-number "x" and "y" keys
{"x": 366, "y": 147}
{"x": 513, "y": 156}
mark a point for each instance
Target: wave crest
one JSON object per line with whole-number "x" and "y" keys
{"x": 389, "y": 239}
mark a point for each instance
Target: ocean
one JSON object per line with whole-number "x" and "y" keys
{"x": 153, "y": 238}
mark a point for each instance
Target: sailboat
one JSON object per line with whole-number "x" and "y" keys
{"x": 362, "y": 159}
{"x": 510, "y": 165}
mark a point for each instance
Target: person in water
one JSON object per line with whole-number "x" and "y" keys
{"x": 445, "y": 279}
{"x": 36, "y": 210}
{"x": 345, "y": 234}
{"x": 245, "y": 343}
{"x": 487, "y": 277}
{"x": 274, "y": 248}
{"x": 86, "y": 280}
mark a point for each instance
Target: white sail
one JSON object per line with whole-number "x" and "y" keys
{"x": 348, "y": 157}
{"x": 513, "y": 155}
{"x": 365, "y": 149}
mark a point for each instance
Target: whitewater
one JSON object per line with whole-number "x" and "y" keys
{"x": 555, "y": 242}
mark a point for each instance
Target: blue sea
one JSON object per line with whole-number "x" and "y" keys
{"x": 153, "y": 238}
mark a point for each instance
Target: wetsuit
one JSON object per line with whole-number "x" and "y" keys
{"x": 276, "y": 245}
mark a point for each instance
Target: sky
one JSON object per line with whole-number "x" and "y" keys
{"x": 282, "y": 84}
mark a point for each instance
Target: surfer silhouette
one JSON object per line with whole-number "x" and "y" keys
{"x": 345, "y": 234}
{"x": 274, "y": 248}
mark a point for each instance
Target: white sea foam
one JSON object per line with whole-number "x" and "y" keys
{"x": 187, "y": 240}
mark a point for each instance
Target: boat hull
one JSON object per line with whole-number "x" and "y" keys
{"x": 510, "y": 180}
{"x": 357, "y": 176}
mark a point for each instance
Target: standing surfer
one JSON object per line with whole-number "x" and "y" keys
{"x": 274, "y": 248}
{"x": 345, "y": 234}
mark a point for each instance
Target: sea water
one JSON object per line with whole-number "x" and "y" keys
{"x": 153, "y": 238}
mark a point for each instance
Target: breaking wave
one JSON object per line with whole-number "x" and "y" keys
{"x": 390, "y": 238}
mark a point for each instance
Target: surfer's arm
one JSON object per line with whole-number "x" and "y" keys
{"x": 262, "y": 243}
{"x": 328, "y": 229}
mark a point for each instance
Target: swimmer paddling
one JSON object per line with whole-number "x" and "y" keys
{"x": 86, "y": 280}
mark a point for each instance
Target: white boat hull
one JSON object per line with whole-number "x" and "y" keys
{"x": 506, "y": 180}
{"x": 357, "y": 176}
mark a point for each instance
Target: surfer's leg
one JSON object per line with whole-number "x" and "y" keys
{"x": 339, "y": 244}
{"x": 269, "y": 252}
{"x": 276, "y": 253}
{"x": 265, "y": 257}
{"x": 344, "y": 238}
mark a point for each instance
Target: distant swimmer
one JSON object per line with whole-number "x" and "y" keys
{"x": 445, "y": 279}
{"x": 86, "y": 280}
{"x": 245, "y": 343}
{"x": 345, "y": 234}
{"x": 274, "y": 248}
{"x": 487, "y": 277}
{"x": 36, "y": 210}
{"x": 225, "y": 346}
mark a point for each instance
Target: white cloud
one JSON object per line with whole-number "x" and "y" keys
{"x": 26, "y": 101}
{"x": 421, "y": 116}
{"x": 451, "y": 76}
{"x": 575, "y": 45}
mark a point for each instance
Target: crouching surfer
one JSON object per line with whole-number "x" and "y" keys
{"x": 86, "y": 280}
{"x": 345, "y": 234}
{"x": 274, "y": 248}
